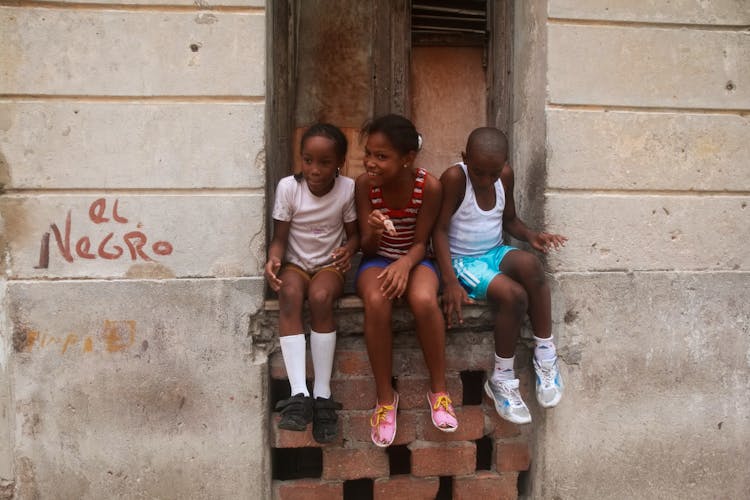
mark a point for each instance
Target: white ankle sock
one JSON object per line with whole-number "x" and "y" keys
{"x": 503, "y": 369}
{"x": 293, "y": 351}
{"x": 322, "y": 347}
{"x": 544, "y": 349}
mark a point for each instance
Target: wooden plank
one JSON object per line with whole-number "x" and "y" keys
{"x": 499, "y": 77}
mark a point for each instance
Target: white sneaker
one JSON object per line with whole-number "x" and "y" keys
{"x": 508, "y": 402}
{"x": 549, "y": 382}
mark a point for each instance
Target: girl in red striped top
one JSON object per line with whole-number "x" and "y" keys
{"x": 397, "y": 206}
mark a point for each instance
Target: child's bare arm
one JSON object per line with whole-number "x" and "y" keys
{"x": 542, "y": 242}
{"x": 342, "y": 256}
{"x": 369, "y": 237}
{"x": 276, "y": 251}
{"x": 454, "y": 296}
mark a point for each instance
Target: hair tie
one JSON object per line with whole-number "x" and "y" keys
{"x": 419, "y": 141}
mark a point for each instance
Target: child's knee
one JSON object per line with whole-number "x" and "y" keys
{"x": 290, "y": 300}
{"x": 509, "y": 294}
{"x": 374, "y": 300}
{"x": 321, "y": 299}
{"x": 422, "y": 300}
{"x": 518, "y": 300}
{"x": 531, "y": 270}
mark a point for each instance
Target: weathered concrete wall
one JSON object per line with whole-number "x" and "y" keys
{"x": 647, "y": 173}
{"x": 132, "y": 209}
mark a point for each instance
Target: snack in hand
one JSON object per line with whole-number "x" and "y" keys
{"x": 389, "y": 227}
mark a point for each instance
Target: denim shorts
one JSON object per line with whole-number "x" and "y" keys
{"x": 476, "y": 272}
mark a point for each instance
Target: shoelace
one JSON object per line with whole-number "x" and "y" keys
{"x": 547, "y": 377}
{"x": 514, "y": 397}
{"x": 380, "y": 414}
{"x": 445, "y": 402}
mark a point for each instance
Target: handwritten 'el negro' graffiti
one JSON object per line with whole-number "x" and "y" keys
{"x": 116, "y": 336}
{"x": 134, "y": 241}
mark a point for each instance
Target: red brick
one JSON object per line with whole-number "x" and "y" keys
{"x": 486, "y": 485}
{"x": 442, "y": 459}
{"x": 406, "y": 488}
{"x": 355, "y": 463}
{"x": 357, "y": 426}
{"x": 512, "y": 456}
{"x": 351, "y": 361}
{"x": 281, "y": 438}
{"x": 499, "y": 427}
{"x": 278, "y": 370}
{"x": 469, "y": 357}
{"x": 412, "y": 391}
{"x": 355, "y": 393}
{"x": 470, "y": 426}
{"x": 307, "y": 489}
{"x": 408, "y": 362}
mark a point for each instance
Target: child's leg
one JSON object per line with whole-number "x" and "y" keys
{"x": 325, "y": 288}
{"x": 291, "y": 298}
{"x": 378, "y": 334}
{"x": 421, "y": 295}
{"x": 526, "y": 269}
{"x": 296, "y": 412}
{"x": 509, "y": 300}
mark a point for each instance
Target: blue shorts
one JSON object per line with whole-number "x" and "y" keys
{"x": 381, "y": 262}
{"x": 476, "y": 272}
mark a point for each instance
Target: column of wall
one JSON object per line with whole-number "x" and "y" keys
{"x": 132, "y": 209}
{"x": 647, "y": 174}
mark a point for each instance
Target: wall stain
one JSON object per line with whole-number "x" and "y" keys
{"x": 204, "y": 18}
{"x": 149, "y": 270}
{"x": 13, "y": 226}
{"x": 26, "y": 478}
{"x": 4, "y": 169}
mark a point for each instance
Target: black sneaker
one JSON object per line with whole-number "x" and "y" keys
{"x": 296, "y": 412}
{"x": 325, "y": 419}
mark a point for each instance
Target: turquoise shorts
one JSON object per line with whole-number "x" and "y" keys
{"x": 475, "y": 273}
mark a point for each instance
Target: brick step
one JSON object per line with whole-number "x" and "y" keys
{"x": 482, "y": 484}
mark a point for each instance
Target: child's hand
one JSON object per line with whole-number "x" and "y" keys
{"x": 394, "y": 279}
{"x": 377, "y": 221}
{"x": 544, "y": 242}
{"x": 454, "y": 297}
{"x": 272, "y": 267}
{"x": 341, "y": 259}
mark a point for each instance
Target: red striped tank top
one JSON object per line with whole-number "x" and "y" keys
{"x": 404, "y": 220}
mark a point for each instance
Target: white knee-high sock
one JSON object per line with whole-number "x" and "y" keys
{"x": 544, "y": 349}
{"x": 322, "y": 347}
{"x": 293, "y": 351}
{"x": 503, "y": 369}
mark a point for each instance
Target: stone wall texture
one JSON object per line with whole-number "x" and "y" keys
{"x": 132, "y": 230}
{"x": 646, "y": 131}
{"x": 134, "y": 345}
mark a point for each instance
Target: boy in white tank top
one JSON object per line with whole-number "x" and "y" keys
{"x": 475, "y": 264}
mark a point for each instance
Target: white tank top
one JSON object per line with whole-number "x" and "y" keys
{"x": 474, "y": 231}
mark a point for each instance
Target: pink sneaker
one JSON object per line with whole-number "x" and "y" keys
{"x": 441, "y": 411}
{"x": 383, "y": 423}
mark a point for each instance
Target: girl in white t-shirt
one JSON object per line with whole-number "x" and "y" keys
{"x": 315, "y": 236}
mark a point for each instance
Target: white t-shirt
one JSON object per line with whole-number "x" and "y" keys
{"x": 474, "y": 231}
{"x": 317, "y": 223}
